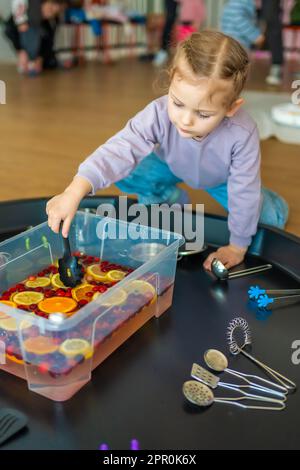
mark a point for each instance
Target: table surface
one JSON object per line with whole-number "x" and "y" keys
{"x": 137, "y": 391}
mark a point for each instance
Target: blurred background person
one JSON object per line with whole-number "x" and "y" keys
{"x": 31, "y": 30}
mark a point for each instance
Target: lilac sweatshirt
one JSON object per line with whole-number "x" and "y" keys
{"x": 230, "y": 153}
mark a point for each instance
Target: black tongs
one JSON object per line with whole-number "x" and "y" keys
{"x": 69, "y": 268}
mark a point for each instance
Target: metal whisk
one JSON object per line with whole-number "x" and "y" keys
{"x": 240, "y": 324}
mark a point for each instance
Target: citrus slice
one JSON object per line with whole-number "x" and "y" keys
{"x": 10, "y": 304}
{"x": 27, "y": 298}
{"x": 14, "y": 359}
{"x": 96, "y": 295}
{"x": 10, "y": 324}
{"x": 79, "y": 292}
{"x": 118, "y": 298}
{"x": 73, "y": 347}
{"x": 56, "y": 282}
{"x": 40, "y": 345}
{"x": 95, "y": 271}
{"x": 140, "y": 287}
{"x": 38, "y": 282}
{"x": 57, "y": 304}
{"x": 115, "y": 275}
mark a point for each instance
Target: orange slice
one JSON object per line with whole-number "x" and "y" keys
{"x": 10, "y": 324}
{"x": 10, "y": 304}
{"x": 27, "y": 298}
{"x": 73, "y": 347}
{"x": 118, "y": 298}
{"x": 95, "y": 271}
{"x": 38, "y": 282}
{"x": 56, "y": 282}
{"x": 40, "y": 345}
{"x": 115, "y": 275}
{"x": 79, "y": 292}
{"x": 57, "y": 304}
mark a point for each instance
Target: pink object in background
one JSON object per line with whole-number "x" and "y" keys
{"x": 192, "y": 11}
{"x": 184, "y": 31}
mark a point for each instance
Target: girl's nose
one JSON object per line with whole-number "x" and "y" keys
{"x": 187, "y": 119}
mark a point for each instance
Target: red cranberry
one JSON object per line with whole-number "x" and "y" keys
{"x": 43, "y": 368}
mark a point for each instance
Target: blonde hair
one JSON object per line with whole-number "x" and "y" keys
{"x": 212, "y": 54}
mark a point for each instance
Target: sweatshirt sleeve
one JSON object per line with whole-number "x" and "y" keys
{"x": 116, "y": 159}
{"x": 244, "y": 191}
{"x": 20, "y": 11}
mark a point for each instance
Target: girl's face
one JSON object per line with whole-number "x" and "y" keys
{"x": 197, "y": 107}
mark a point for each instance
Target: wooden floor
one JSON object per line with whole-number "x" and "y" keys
{"x": 51, "y": 123}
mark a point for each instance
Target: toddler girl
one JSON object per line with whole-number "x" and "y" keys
{"x": 200, "y": 135}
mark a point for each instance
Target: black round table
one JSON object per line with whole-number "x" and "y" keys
{"x": 137, "y": 391}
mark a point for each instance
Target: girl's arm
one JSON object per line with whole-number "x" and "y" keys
{"x": 244, "y": 202}
{"x": 116, "y": 159}
{"x": 244, "y": 191}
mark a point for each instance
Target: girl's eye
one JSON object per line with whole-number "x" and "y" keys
{"x": 178, "y": 104}
{"x": 203, "y": 116}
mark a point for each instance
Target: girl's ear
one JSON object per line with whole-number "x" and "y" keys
{"x": 235, "y": 107}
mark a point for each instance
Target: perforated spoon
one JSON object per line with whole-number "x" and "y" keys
{"x": 200, "y": 395}
{"x": 218, "y": 362}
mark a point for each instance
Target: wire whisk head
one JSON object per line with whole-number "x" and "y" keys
{"x": 238, "y": 323}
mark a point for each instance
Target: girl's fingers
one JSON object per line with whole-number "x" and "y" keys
{"x": 55, "y": 224}
{"x": 208, "y": 261}
{"x": 66, "y": 226}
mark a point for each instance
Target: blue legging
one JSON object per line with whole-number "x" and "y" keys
{"x": 153, "y": 183}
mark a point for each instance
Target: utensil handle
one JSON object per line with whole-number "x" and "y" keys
{"x": 286, "y": 299}
{"x": 249, "y": 271}
{"x": 250, "y": 407}
{"x": 284, "y": 381}
{"x": 282, "y": 291}
{"x": 246, "y": 378}
{"x": 250, "y": 396}
{"x": 66, "y": 243}
{"x": 67, "y": 248}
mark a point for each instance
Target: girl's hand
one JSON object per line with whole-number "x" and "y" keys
{"x": 230, "y": 255}
{"x": 62, "y": 208}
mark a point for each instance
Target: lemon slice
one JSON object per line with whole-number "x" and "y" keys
{"x": 14, "y": 359}
{"x": 38, "y": 282}
{"x": 95, "y": 271}
{"x": 140, "y": 287}
{"x": 115, "y": 275}
{"x": 118, "y": 298}
{"x": 73, "y": 347}
{"x": 27, "y": 298}
{"x": 10, "y": 324}
{"x": 10, "y": 304}
{"x": 56, "y": 282}
{"x": 79, "y": 292}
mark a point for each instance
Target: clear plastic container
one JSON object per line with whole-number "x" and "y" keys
{"x": 103, "y": 324}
